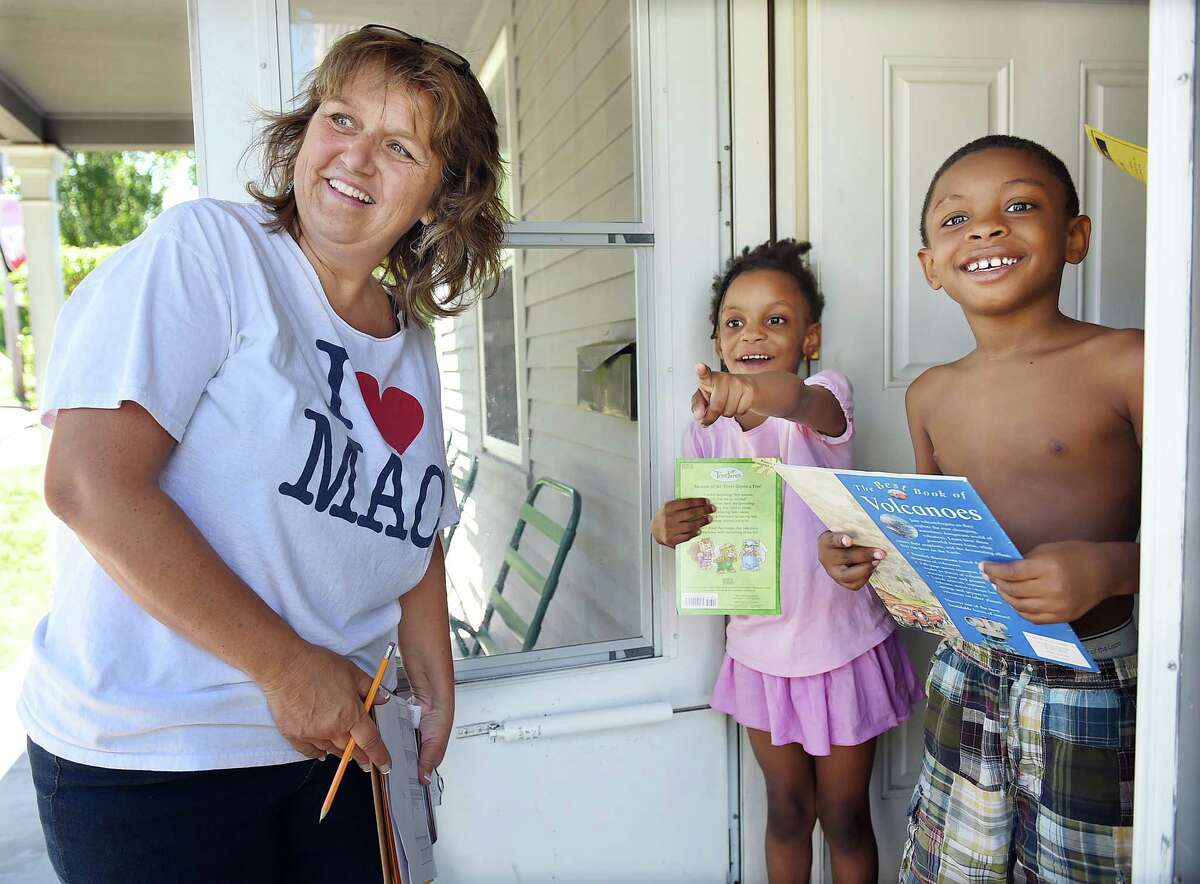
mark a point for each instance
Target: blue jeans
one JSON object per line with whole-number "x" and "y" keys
{"x": 248, "y": 825}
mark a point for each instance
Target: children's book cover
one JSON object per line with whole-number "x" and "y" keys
{"x": 732, "y": 567}
{"x": 936, "y": 530}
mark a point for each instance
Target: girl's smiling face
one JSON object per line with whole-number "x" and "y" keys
{"x": 998, "y": 232}
{"x": 765, "y": 324}
{"x": 366, "y": 171}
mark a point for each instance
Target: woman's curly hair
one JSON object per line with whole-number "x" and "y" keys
{"x": 784, "y": 255}
{"x": 433, "y": 270}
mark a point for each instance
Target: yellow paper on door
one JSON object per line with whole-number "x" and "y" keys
{"x": 1125, "y": 155}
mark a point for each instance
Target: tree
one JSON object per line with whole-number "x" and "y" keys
{"x": 108, "y": 198}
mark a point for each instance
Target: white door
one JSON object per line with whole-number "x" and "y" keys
{"x": 894, "y": 89}
{"x": 615, "y": 770}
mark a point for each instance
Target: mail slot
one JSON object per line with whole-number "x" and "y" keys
{"x": 607, "y": 376}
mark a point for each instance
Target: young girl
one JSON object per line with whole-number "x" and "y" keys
{"x": 815, "y": 685}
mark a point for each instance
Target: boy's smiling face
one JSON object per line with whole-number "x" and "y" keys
{"x": 998, "y": 232}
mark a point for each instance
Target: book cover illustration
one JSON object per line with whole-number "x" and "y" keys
{"x": 732, "y": 567}
{"x": 936, "y": 530}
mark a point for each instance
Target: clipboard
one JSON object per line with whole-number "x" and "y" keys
{"x": 404, "y": 816}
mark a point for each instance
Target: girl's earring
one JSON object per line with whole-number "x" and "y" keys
{"x": 809, "y": 359}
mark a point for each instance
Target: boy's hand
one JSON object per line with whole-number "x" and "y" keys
{"x": 1060, "y": 582}
{"x": 849, "y": 565}
{"x": 720, "y": 394}
{"x": 681, "y": 520}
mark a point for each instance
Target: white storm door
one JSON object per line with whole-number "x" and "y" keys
{"x": 894, "y": 89}
{"x": 572, "y": 798}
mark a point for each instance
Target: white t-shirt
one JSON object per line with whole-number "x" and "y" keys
{"x": 310, "y": 456}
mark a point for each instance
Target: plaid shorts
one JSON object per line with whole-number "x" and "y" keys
{"x": 1028, "y": 769}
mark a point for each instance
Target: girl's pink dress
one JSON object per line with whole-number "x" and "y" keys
{"x": 829, "y": 670}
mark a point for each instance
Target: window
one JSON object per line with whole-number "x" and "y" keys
{"x": 501, "y": 351}
{"x": 500, "y": 366}
{"x": 563, "y": 81}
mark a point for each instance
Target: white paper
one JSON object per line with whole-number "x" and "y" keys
{"x": 397, "y": 722}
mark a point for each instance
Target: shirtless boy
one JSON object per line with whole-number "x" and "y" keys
{"x": 1027, "y": 765}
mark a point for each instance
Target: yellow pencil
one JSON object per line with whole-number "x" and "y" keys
{"x": 367, "y": 703}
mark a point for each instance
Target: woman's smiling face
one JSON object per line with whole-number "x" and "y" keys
{"x": 366, "y": 171}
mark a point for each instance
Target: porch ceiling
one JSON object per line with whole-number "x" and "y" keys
{"x": 449, "y": 22}
{"x": 92, "y": 74}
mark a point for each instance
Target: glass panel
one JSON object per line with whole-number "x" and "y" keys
{"x": 498, "y": 337}
{"x": 560, "y": 76}
{"x": 579, "y": 314}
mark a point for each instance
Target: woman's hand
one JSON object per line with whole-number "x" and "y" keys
{"x": 849, "y": 565}
{"x": 317, "y": 699}
{"x": 436, "y": 724}
{"x": 681, "y": 520}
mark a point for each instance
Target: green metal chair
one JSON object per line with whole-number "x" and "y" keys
{"x": 463, "y": 484}
{"x": 473, "y": 641}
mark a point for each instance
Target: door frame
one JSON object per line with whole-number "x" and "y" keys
{"x": 1171, "y": 414}
{"x": 1169, "y": 692}
{"x": 1169, "y": 695}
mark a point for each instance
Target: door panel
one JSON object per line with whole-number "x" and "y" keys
{"x": 923, "y": 78}
{"x": 590, "y": 807}
{"x": 1114, "y": 99}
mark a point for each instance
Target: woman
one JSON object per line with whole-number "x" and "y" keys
{"x": 248, "y": 453}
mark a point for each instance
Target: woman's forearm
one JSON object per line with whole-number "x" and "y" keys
{"x": 424, "y": 635}
{"x": 154, "y": 552}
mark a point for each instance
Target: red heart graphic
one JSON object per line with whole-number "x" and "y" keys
{"x": 398, "y": 415}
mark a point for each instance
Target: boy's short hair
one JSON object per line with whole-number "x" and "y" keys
{"x": 784, "y": 255}
{"x": 1046, "y": 157}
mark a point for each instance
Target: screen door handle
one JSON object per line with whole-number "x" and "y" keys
{"x": 541, "y": 727}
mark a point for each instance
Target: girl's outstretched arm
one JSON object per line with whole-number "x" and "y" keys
{"x": 771, "y": 393}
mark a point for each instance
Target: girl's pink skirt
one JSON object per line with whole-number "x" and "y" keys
{"x": 871, "y": 694}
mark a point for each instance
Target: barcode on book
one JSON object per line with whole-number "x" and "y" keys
{"x": 1055, "y": 649}
{"x": 699, "y": 600}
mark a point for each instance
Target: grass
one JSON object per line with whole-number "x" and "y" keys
{"x": 24, "y": 567}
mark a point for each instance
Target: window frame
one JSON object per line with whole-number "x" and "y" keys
{"x": 515, "y": 454}
{"x": 499, "y": 66}
{"x": 653, "y": 374}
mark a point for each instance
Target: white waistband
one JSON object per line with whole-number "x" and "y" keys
{"x": 1120, "y": 641}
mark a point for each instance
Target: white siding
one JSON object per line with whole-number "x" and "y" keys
{"x": 574, "y": 154}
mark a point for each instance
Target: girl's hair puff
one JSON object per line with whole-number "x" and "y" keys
{"x": 784, "y": 255}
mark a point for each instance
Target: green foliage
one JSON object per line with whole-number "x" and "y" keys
{"x": 108, "y": 198}
{"x": 20, "y": 283}
{"x": 24, "y": 568}
{"x": 105, "y": 200}
{"x": 77, "y": 263}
